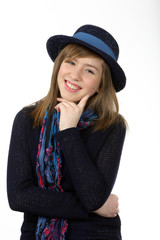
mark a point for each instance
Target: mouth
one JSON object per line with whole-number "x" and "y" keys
{"x": 71, "y": 87}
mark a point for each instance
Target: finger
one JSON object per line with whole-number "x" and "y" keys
{"x": 68, "y": 105}
{"x": 59, "y": 107}
{"x": 83, "y": 101}
{"x": 65, "y": 101}
{"x": 61, "y": 99}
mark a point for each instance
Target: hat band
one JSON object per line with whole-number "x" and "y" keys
{"x": 95, "y": 42}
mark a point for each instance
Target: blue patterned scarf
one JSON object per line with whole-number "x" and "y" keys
{"x": 49, "y": 163}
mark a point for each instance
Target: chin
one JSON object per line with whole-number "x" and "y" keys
{"x": 71, "y": 98}
{"x": 75, "y": 100}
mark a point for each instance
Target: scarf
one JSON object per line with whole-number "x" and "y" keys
{"x": 48, "y": 168}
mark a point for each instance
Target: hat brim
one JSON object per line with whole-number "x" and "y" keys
{"x": 56, "y": 43}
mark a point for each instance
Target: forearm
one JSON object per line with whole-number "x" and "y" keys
{"x": 93, "y": 179}
{"x": 42, "y": 202}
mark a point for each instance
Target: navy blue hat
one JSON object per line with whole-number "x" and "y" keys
{"x": 99, "y": 41}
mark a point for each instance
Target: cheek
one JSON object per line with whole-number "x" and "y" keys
{"x": 62, "y": 70}
{"x": 94, "y": 84}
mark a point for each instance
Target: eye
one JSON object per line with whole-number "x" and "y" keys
{"x": 89, "y": 71}
{"x": 70, "y": 62}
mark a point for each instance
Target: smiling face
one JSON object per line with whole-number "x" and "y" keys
{"x": 77, "y": 77}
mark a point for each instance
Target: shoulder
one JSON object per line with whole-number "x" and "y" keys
{"x": 95, "y": 141}
{"x": 23, "y": 118}
{"x": 116, "y": 132}
{"x": 118, "y": 127}
{"x": 25, "y": 113}
{"x": 23, "y": 126}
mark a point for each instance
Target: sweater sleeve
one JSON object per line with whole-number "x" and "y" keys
{"x": 93, "y": 179}
{"x": 23, "y": 193}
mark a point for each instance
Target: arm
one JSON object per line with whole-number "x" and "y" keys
{"x": 93, "y": 179}
{"x": 23, "y": 193}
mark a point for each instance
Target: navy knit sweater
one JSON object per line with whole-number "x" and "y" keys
{"x": 90, "y": 166}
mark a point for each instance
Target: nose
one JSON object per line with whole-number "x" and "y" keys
{"x": 76, "y": 73}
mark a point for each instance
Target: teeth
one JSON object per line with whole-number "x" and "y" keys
{"x": 71, "y": 86}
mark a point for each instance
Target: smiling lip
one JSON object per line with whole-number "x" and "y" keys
{"x": 71, "y": 87}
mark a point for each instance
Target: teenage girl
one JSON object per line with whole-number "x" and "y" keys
{"x": 65, "y": 149}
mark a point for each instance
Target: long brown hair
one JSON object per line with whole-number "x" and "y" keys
{"x": 104, "y": 102}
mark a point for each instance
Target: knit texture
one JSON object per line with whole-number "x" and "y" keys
{"x": 91, "y": 162}
{"x": 103, "y": 35}
{"x": 48, "y": 167}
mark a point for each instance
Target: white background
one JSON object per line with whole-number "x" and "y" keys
{"x": 25, "y": 72}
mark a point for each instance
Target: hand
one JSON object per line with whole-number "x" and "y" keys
{"x": 109, "y": 208}
{"x": 70, "y": 112}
